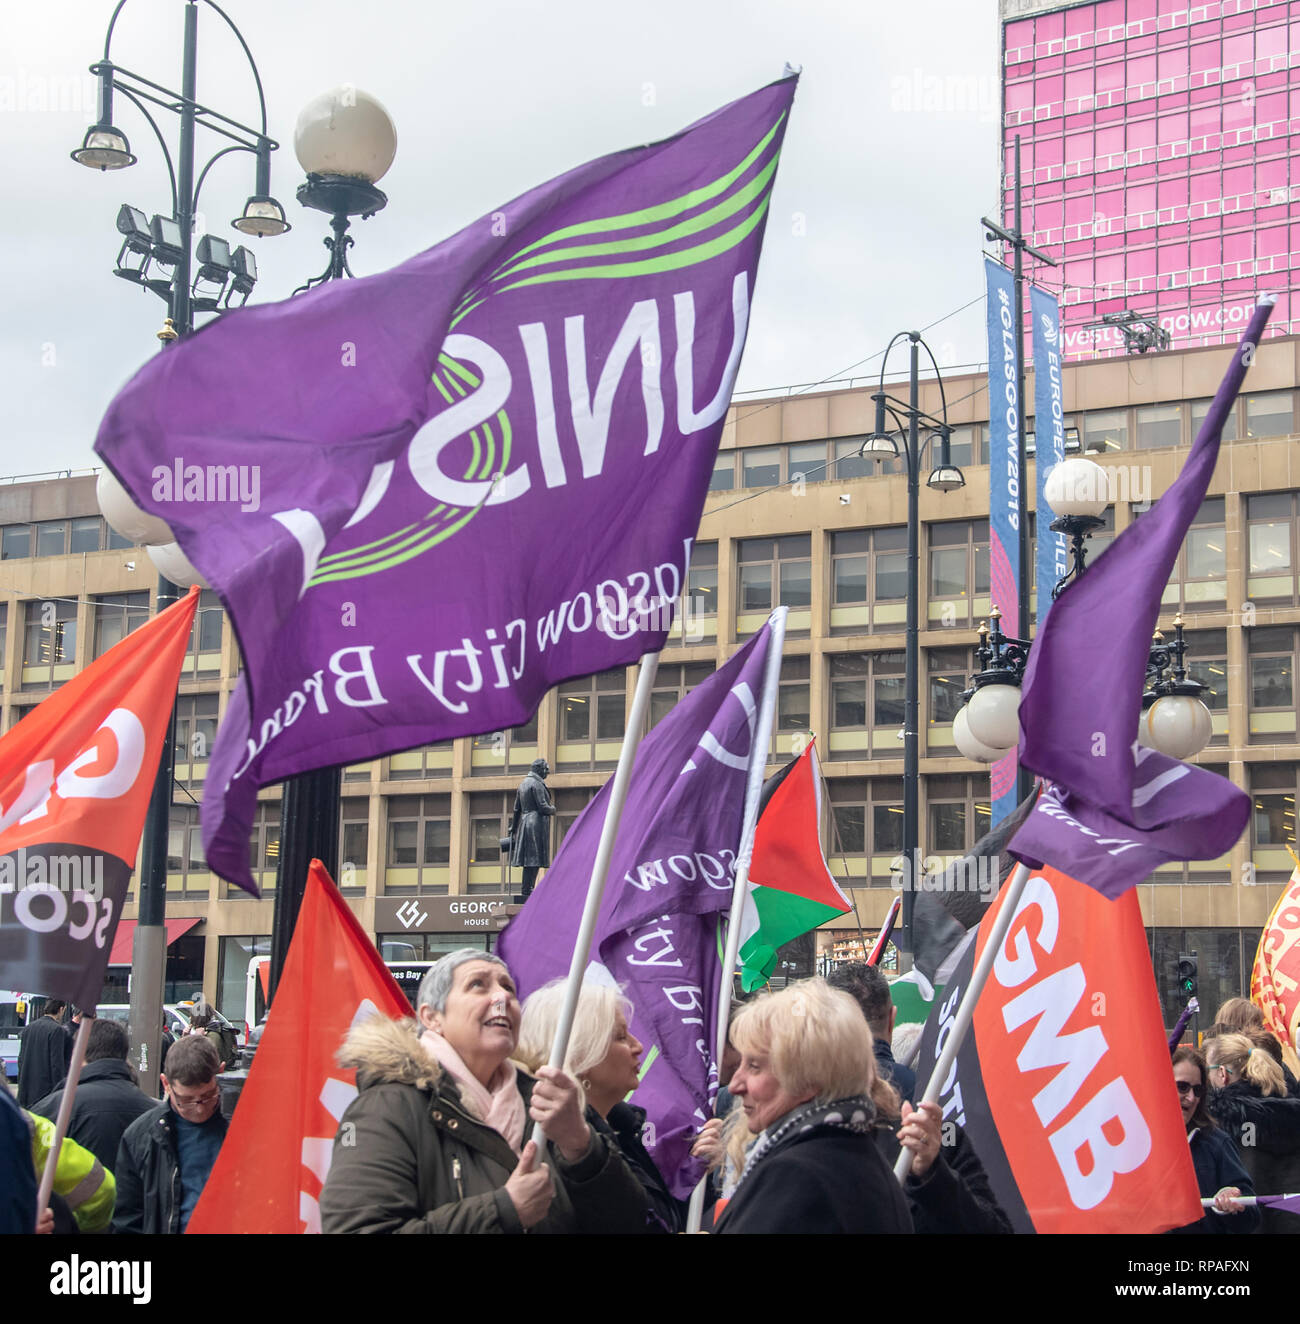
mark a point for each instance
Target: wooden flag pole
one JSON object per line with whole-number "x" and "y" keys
{"x": 65, "y": 1113}
{"x": 600, "y": 867}
{"x": 966, "y": 1012}
{"x": 762, "y": 742}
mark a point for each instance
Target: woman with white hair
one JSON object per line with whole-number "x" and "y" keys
{"x": 435, "y": 1139}
{"x": 804, "y": 1089}
{"x": 604, "y": 1057}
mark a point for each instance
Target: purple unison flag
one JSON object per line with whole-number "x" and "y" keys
{"x": 661, "y": 931}
{"x": 1115, "y": 810}
{"x": 428, "y": 496}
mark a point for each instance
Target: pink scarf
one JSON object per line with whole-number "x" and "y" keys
{"x": 500, "y": 1106}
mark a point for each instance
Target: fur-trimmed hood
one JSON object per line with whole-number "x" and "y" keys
{"x": 384, "y": 1051}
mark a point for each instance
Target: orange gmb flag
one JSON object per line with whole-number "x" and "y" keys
{"x": 276, "y": 1155}
{"x": 75, "y": 779}
{"x": 1063, "y": 1083}
{"x": 1275, "y": 979}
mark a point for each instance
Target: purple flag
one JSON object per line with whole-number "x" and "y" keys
{"x": 661, "y": 931}
{"x": 1113, "y": 810}
{"x": 428, "y": 496}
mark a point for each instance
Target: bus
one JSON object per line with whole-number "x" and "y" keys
{"x": 17, "y": 1011}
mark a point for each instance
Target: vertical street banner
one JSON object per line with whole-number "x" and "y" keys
{"x": 1063, "y": 1082}
{"x": 277, "y": 1153}
{"x": 1275, "y": 977}
{"x": 661, "y": 932}
{"x": 75, "y": 779}
{"x": 439, "y": 491}
{"x": 1049, "y": 441}
{"x": 1004, "y": 489}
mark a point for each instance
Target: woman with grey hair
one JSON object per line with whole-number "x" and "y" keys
{"x": 435, "y": 1139}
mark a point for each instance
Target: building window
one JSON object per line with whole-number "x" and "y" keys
{"x": 50, "y": 643}
{"x": 592, "y": 712}
{"x": 1207, "y": 661}
{"x": 4, "y": 639}
{"x": 949, "y": 671}
{"x": 569, "y": 804}
{"x": 196, "y": 733}
{"x": 1272, "y": 695}
{"x": 354, "y": 846}
{"x": 263, "y": 848}
{"x": 1273, "y": 793}
{"x": 203, "y": 657}
{"x": 959, "y": 572}
{"x": 1200, "y": 408}
{"x": 963, "y": 447}
{"x": 793, "y": 708}
{"x": 85, "y": 535}
{"x": 959, "y": 813}
{"x": 52, "y": 537}
{"x": 423, "y": 762}
{"x": 1270, "y": 414}
{"x": 774, "y": 572}
{"x": 806, "y": 462}
{"x": 723, "y": 478}
{"x": 866, "y": 834}
{"x": 866, "y": 705}
{"x": 849, "y": 461}
{"x": 116, "y": 617}
{"x": 489, "y": 821}
{"x": 419, "y": 845}
{"x": 1159, "y": 426}
{"x": 15, "y": 541}
{"x": 187, "y": 867}
{"x": 868, "y": 579}
{"x": 1272, "y": 530}
{"x": 1199, "y": 576}
{"x": 697, "y": 614}
{"x": 497, "y": 752}
{"x": 1105, "y": 431}
{"x": 672, "y": 685}
{"x": 760, "y": 466}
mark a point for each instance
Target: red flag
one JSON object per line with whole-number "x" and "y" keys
{"x": 1275, "y": 978}
{"x": 276, "y": 1155}
{"x": 75, "y": 778}
{"x": 1063, "y": 1083}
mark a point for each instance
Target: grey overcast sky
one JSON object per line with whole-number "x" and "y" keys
{"x": 890, "y": 160}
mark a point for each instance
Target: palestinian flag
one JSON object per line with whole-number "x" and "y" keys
{"x": 791, "y": 890}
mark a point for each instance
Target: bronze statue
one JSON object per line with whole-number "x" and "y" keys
{"x": 530, "y": 829}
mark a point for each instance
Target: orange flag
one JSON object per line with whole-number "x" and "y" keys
{"x": 75, "y": 779}
{"x": 276, "y": 1155}
{"x": 1275, "y": 979}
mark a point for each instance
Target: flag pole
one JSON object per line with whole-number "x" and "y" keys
{"x": 65, "y": 1113}
{"x": 740, "y": 889}
{"x": 600, "y": 867}
{"x": 966, "y": 1012}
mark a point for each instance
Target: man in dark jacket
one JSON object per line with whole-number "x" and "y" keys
{"x": 107, "y": 1099}
{"x": 167, "y": 1153}
{"x": 43, "y": 1056}
{"x": 869, "y": 988}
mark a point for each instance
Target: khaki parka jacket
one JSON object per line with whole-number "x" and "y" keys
{"x": 410, "y": 1157}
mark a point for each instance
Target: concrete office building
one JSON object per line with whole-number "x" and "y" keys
{"x": 795, "y": 517}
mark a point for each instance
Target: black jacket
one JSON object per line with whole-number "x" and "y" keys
{"x": 106, "y": 1103}
{"x": 148, "y": 1173}
{"x": 1266, "y": 1132}
{"x": 1214, "y": 1157}
{"x": 43, "y": 1059}
{"x": 902, "y": 1078}
{"x": 623, "y": 1126}
{"x": 822, "y": 1180}
{"x": 955, "y": 1194}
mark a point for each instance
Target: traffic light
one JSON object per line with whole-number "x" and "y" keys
{"x": 1187, "y": 974}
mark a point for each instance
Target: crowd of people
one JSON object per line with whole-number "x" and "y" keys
{"x": 813, "y": 1116}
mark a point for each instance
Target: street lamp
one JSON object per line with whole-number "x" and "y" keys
{"x": 165, "y": 243}
{"x": 345, "y": 141}
{"x": 944, "y": 477}
{"x": 1174, "y": 721}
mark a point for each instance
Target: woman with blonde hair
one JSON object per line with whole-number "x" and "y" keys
{"x": 804, "y": 1091}
{"x": 1249, "y": 1101}
{"x": 1242, "y": 1016}
{"x": 604, "y": 1057}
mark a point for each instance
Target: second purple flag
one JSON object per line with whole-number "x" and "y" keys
{"x": 446, "y": 488}
{"x": 661, "y": 931}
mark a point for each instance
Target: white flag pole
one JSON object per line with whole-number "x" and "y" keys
{"x": 966, "y": 1012}
{"x": 65, "y": 1113}
{"x": 740, "y": 891}
{"x": 600, "y": 868}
